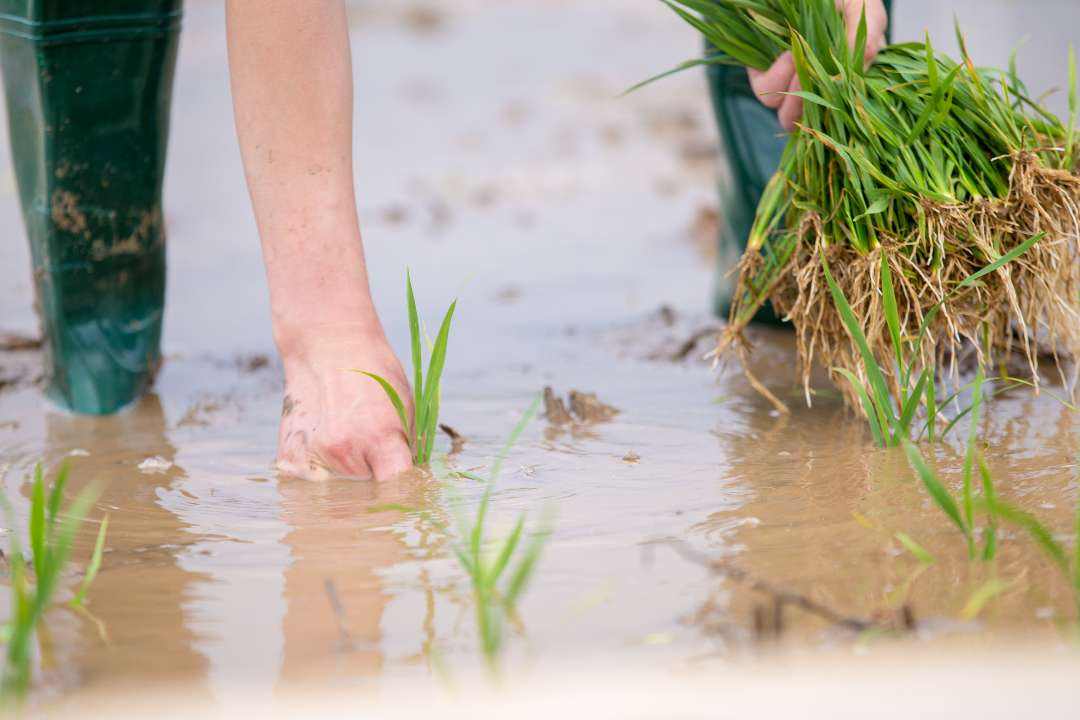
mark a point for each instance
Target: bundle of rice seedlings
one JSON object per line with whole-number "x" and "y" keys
{"x": 943, "y": 199}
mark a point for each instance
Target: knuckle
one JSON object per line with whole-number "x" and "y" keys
{"x": 338, "y": 451}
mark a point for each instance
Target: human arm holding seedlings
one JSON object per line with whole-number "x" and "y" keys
{"x": 770, "y": 85}
{"x": 292, "y": 91}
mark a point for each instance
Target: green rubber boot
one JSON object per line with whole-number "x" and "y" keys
{"x": 88, "y": 94}
{"x": 751, "y": 143}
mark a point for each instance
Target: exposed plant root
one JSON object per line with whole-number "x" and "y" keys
{"x": 1030, "y": 303}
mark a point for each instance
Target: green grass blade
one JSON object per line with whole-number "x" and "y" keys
{"x": 972, "y": 448}
{"x": 466, "y": 562}
{"x": 938, "y": 493}
{"x": 696, "y": 62}
{"x": 918, "y": 551}
{"x": 515, "y": 434}
{"x": 1003, "y": 260}
{"x": 393, "y": 396}
{"x": 990, "y": 543}
{"x": 907, "y": 412}
{"x": 57, "y": 493}
{"x": 868, "y": 406}
{"x": 952, "y": 423}
{"x": 469, "y": 476}
{"x": 983, "y": 595}
{"x": 59, "y": 552}
{"x": 437, "y": 362}
{"x": 1037, "y": 532}
{"x": 417, "y": 357}
{"x": 931, "y": 408}
{"x": 523, "y": 573}
{"x": 990, "y": 500}
{"x": 811, "y": 98}
{"x": 95, "y": 563}
{"x": 858, "y": 50}
{"x": 37, "y": 521}
{"x": 883, "y": 402}
{"x": 507, "y": 551}
{"x": 892, "y": 316}
{"x": 476, "y": 535}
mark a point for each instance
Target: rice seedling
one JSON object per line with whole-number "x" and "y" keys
{"x": 961, "y": 512}
{"x": 33, "y": 583}
{"x": 422, "y": 428}
{"x": 499, "y": 571}
{"x": 891, "y": 409}
{"x": 917, "y": 172}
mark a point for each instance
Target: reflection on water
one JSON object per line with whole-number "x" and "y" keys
{"x": 821, "y": 513}
{"x": 142, "y": 597}
{"x": 341, "y": 537}
{"x": 570, "y": 210}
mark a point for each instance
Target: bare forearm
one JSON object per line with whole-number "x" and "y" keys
{"x": 292, "y": 91}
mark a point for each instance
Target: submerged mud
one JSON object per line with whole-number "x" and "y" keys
{"x": 581, "y": 270}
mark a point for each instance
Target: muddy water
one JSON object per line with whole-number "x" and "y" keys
{"x": 566, "y": 220}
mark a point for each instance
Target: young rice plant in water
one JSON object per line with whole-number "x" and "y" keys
{"x": 424, "y": 428}
{"x": 33, "y": 584}
{"x": 916, "y": 171}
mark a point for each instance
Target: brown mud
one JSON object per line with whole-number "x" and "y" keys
{"x": 223, "y": 582}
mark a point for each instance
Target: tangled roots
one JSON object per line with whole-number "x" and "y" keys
{"x": 1030, "y": 305}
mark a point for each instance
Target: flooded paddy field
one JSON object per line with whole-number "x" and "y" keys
{"x": 704, "y": 547}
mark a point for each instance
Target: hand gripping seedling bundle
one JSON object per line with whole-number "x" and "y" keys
{"x": 937, "y": 197}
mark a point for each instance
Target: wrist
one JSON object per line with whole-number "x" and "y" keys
{"x": 305, "y": 337}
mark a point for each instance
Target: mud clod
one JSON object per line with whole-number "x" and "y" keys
{"x": 13, "y": 342}
{"x": 555, "y": 409}
{"x": 253, "y": 363}
{"x": 8, "y": 379}
{"x": 688, "y": 345}
{"x": 585, "y": 408}
{"x": 589, "y": 409}
{"x": 423, "y": 18}
{"x": 457, "y": 440}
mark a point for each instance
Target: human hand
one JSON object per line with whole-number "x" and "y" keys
{"x": 769, "y": 85}
{"x": 336, "y": 422}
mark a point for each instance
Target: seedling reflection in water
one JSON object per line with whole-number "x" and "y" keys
{"x": 33, "y": 584}
{"x": 962, "y": 512}
{"x": 424, "y": 428}
{"x": 499, "y": 572}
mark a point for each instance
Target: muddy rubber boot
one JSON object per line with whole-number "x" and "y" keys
{"x": 751, "y": 143}
{"x": 88, "y": 93}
